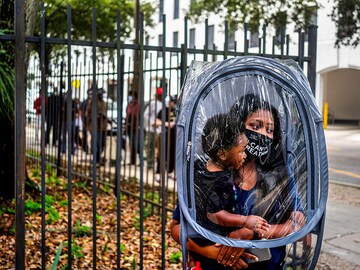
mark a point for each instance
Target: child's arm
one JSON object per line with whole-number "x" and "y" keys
{"x": 226, "y": 219}
{"x": 295, "y": 222}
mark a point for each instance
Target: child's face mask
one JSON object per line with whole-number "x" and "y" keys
{"x": 259, "y": 146}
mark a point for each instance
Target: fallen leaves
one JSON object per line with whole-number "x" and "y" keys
{"x": 56, "y": 234}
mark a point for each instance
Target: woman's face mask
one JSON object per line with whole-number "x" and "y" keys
{"x": 259, "y": 146}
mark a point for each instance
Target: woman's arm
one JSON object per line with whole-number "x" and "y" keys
{"x": 210, "y": 251}
{"x": 227, "y": 256}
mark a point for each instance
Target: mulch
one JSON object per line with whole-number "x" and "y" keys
{"x": 56, "y": 233}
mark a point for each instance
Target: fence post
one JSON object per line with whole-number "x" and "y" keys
{"x": 206, "y": 47}
{"x": 184, "y": 52}
{"x": 226, "y": 41}
{"x": 312, "y": 37}
{"x": 20, "y": 134}
{"x": 58, "y": 161}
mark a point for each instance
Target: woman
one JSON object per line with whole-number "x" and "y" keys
{"x": 265, "y": 189}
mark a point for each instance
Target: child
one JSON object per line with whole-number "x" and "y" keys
{"x": 217, "y": 193}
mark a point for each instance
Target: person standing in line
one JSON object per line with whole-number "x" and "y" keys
{"x": 64, "y": 136}
{"x": 78, "y": 138}
{"x": 150, "y": 115}
{"x": 170, "y": 137}
{"x": 101, "y": 124}
{"x": 85, "y": 121}
{"x": 132, "y": 125}
{"x": 52, "y": 115}
{"x": 37, "y": 108}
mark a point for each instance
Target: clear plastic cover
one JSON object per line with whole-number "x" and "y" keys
{"x": 249, "y": 159}
{"x": 254, "y": 171}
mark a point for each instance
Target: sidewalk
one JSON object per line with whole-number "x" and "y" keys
{"x": 342, "y": 231}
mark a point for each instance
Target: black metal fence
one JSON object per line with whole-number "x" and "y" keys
{"x": 86, "y": 142}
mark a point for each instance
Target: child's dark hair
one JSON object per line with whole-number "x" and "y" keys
{"x": 221, "y": 131}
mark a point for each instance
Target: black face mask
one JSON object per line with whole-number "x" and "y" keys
{"x": 259, "y": 146}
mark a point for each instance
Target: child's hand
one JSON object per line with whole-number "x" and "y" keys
{"x": 256, "y": 223}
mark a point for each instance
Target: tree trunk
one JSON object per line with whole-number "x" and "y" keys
{"x": 7, "y": 168}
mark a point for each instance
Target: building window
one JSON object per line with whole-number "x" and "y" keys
{"x": 210, "y": 37}
{"x": 176, "y": 9}
{"x": 254, "y": 39}
{"x": 231, "y": 41}
{"x": 160, "y": 44}
{"x": 192, "y": 38}
{"x": 161, "y": 10}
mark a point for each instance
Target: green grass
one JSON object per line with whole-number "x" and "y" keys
{"x": 32, "y": 207}
{"x": 81, "y": 230}
{"x": 175, "y": 257}
{"x": 76, "y": 250}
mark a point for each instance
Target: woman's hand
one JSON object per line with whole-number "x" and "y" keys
{"x": 298, "y": 218}
{"x": 234, "y": 257}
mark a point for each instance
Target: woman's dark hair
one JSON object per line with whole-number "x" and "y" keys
{"x": 221, "y": 131}
{"x": 251, "y": 103}
{"x": 273, "y": 173}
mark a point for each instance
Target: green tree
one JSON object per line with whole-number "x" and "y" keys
{"x": 81, "y": 20}
{"x": 56, "y": 11}
{"x": 346, "y": 15}
{"x": 277, "y": 13}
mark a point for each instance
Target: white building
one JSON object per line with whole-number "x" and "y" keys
{"x": 338, "y": 69}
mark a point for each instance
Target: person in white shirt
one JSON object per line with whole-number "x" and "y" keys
{"x": 150, "y": 114}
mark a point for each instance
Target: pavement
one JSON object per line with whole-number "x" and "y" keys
{"x": 342, "y": 223}
{"x": 342, "y": 232}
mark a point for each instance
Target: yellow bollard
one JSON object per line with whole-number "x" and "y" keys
{"x": 325, "y": 115}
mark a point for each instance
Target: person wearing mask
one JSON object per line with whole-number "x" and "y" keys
{"x": 265, "y": 190}
{"x": 132, "y": 125}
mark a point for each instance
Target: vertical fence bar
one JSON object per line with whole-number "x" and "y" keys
{"x": 69, "y": 136}
{"x": 287, "y": 44}
{"x": 140, "y": 19}
{"x": 312, "y": 44}
{"x": 282, "y": 40}
{"x": 259, "y": 40}
{"x": 300, "y": 49}
{"x": 226, "y": 41}
{"x": 246, "y": 47}
{"x": 19, "y": 134}
{"x": 94, "y": 135}
{"x": 206, "y": 46}
{"x": 264, "y": 39}
{"x": 184, "y": 53}
{"x": 43, "y": 95}
{"x": 119, "y": 97}
{"x": 273, "y": 44}
{"x": 147, "y": 123}
{"x": 163, "y": 147}
{"x": 58, "y": 160}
